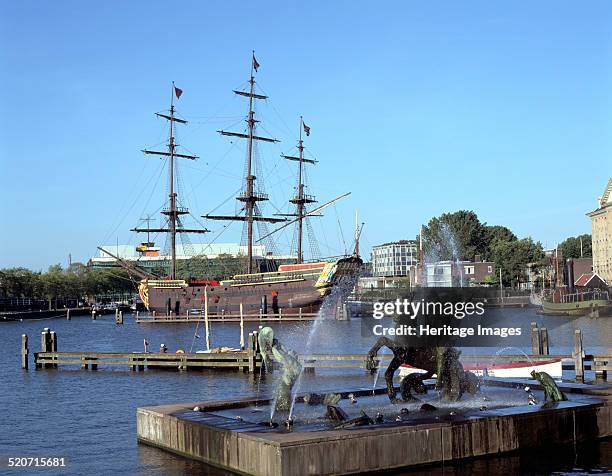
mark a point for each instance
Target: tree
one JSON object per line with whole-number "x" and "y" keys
{"x": 75, "y": 282}
{"x": 19, "y": 282}
{"x": 454, "y": 236}
{"x": 54, "y": 283}
{"x": 513, "y": 256}
{"x": 498, "y": 233}
{"x": 570, "y": 248}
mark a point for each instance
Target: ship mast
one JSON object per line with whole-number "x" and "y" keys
{"x": 249, "y": 197}
{"x": 173, "y": 212}
{"x": 300, "y": 199}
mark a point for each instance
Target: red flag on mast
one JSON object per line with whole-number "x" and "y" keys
{"x": 255, "y": 63}
{"x": 178, "y": 92}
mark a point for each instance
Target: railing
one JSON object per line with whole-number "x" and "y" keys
{"x": 585, "y": 296}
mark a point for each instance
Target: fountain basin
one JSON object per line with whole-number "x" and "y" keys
{"x": 217, "y": 436}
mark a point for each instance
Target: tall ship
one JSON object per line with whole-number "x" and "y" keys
{"x": 299, "y": 286}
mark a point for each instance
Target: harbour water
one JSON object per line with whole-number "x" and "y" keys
{"x": 88, "y": 417}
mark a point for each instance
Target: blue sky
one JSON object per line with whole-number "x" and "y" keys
{"x": 416, "y": 107}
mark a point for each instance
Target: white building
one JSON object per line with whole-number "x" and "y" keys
{"x": 394, "y": 259}
{"x": 148, "y": 256}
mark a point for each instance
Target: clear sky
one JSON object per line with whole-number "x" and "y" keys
{"x": 416, "y": 107}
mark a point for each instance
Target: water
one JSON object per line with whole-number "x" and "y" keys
{"x": 89, "y": 417}
{"x": 313, "y": 417}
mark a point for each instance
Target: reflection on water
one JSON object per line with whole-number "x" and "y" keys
{"x": 89, "y": 417}
{"x": 584, "y": 458}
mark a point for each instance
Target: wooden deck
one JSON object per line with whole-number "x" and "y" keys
{"x": 250, "y": 359}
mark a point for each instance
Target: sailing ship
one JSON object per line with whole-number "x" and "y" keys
{"x": 299, "y": 287}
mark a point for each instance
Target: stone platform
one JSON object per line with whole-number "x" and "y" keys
{"x": 246, "y": 447}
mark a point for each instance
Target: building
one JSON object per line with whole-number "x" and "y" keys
{"x": 445, "y": 274}
{"x": 479, "y": 272}
{"x": 582, "y": 266}
{"x": 394, "y": 259}
{"x": 589, "y": 281}
{"x": 148, "y": 257}
{"x": 440, "y": 274}
{"x": 601, "y": 220}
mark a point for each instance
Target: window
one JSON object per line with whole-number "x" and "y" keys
{"x": 489, "y": 269}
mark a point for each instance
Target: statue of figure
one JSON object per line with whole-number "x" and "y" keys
{"x": 272, "y": 350}
{"x": 444, "y": 362}
{"x": 552, "y": 391}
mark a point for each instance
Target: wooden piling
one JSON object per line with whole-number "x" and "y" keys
{"x": 536, "y": 345}
{"x": 253, "y": 351}
{"x": 44, "y": 340}
{"x": 241, "y": 327}
{"x": 24, "y": 352}
{"x": 578, "y": 355}
{"x": 250, "y": 353}
{"x": 309, "y": 366}
{"x": 44, "y": 344}
{"x": 93, "y": 315}
{"x": 68, "y": 314}
{"x": 544, "y": 341}
{"x": 601, "y": 369}
{"x": 53, "y": 345}
{"x": 119, "y": 317}
{"x": 182, "y": 366}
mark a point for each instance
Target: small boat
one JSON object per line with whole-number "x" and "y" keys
{"x": 561, "y": 302}
{"x": 507, "y": 369}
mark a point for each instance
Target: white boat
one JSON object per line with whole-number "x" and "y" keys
{"x": 507, "y": 369}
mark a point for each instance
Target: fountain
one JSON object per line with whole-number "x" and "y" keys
{"x": 365, "y": 431}
{"x": 370, "y": 429}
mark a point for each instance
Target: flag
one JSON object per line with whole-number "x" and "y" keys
{"x": 178, "y": 92}
{"x": 306, "y": 128}
{"x": 255, "y": 63}
{"x": 145, "y": 340}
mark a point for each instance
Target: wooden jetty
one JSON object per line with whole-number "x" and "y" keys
{"x": 250, "y": 360}
{"x": 44, "y": 314}
{"x": 245, "y": 360}
{"x": 223, "y": 317}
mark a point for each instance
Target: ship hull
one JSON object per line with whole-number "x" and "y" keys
{"x": 287, "y": 293}
{"x": 581, "y": 308}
